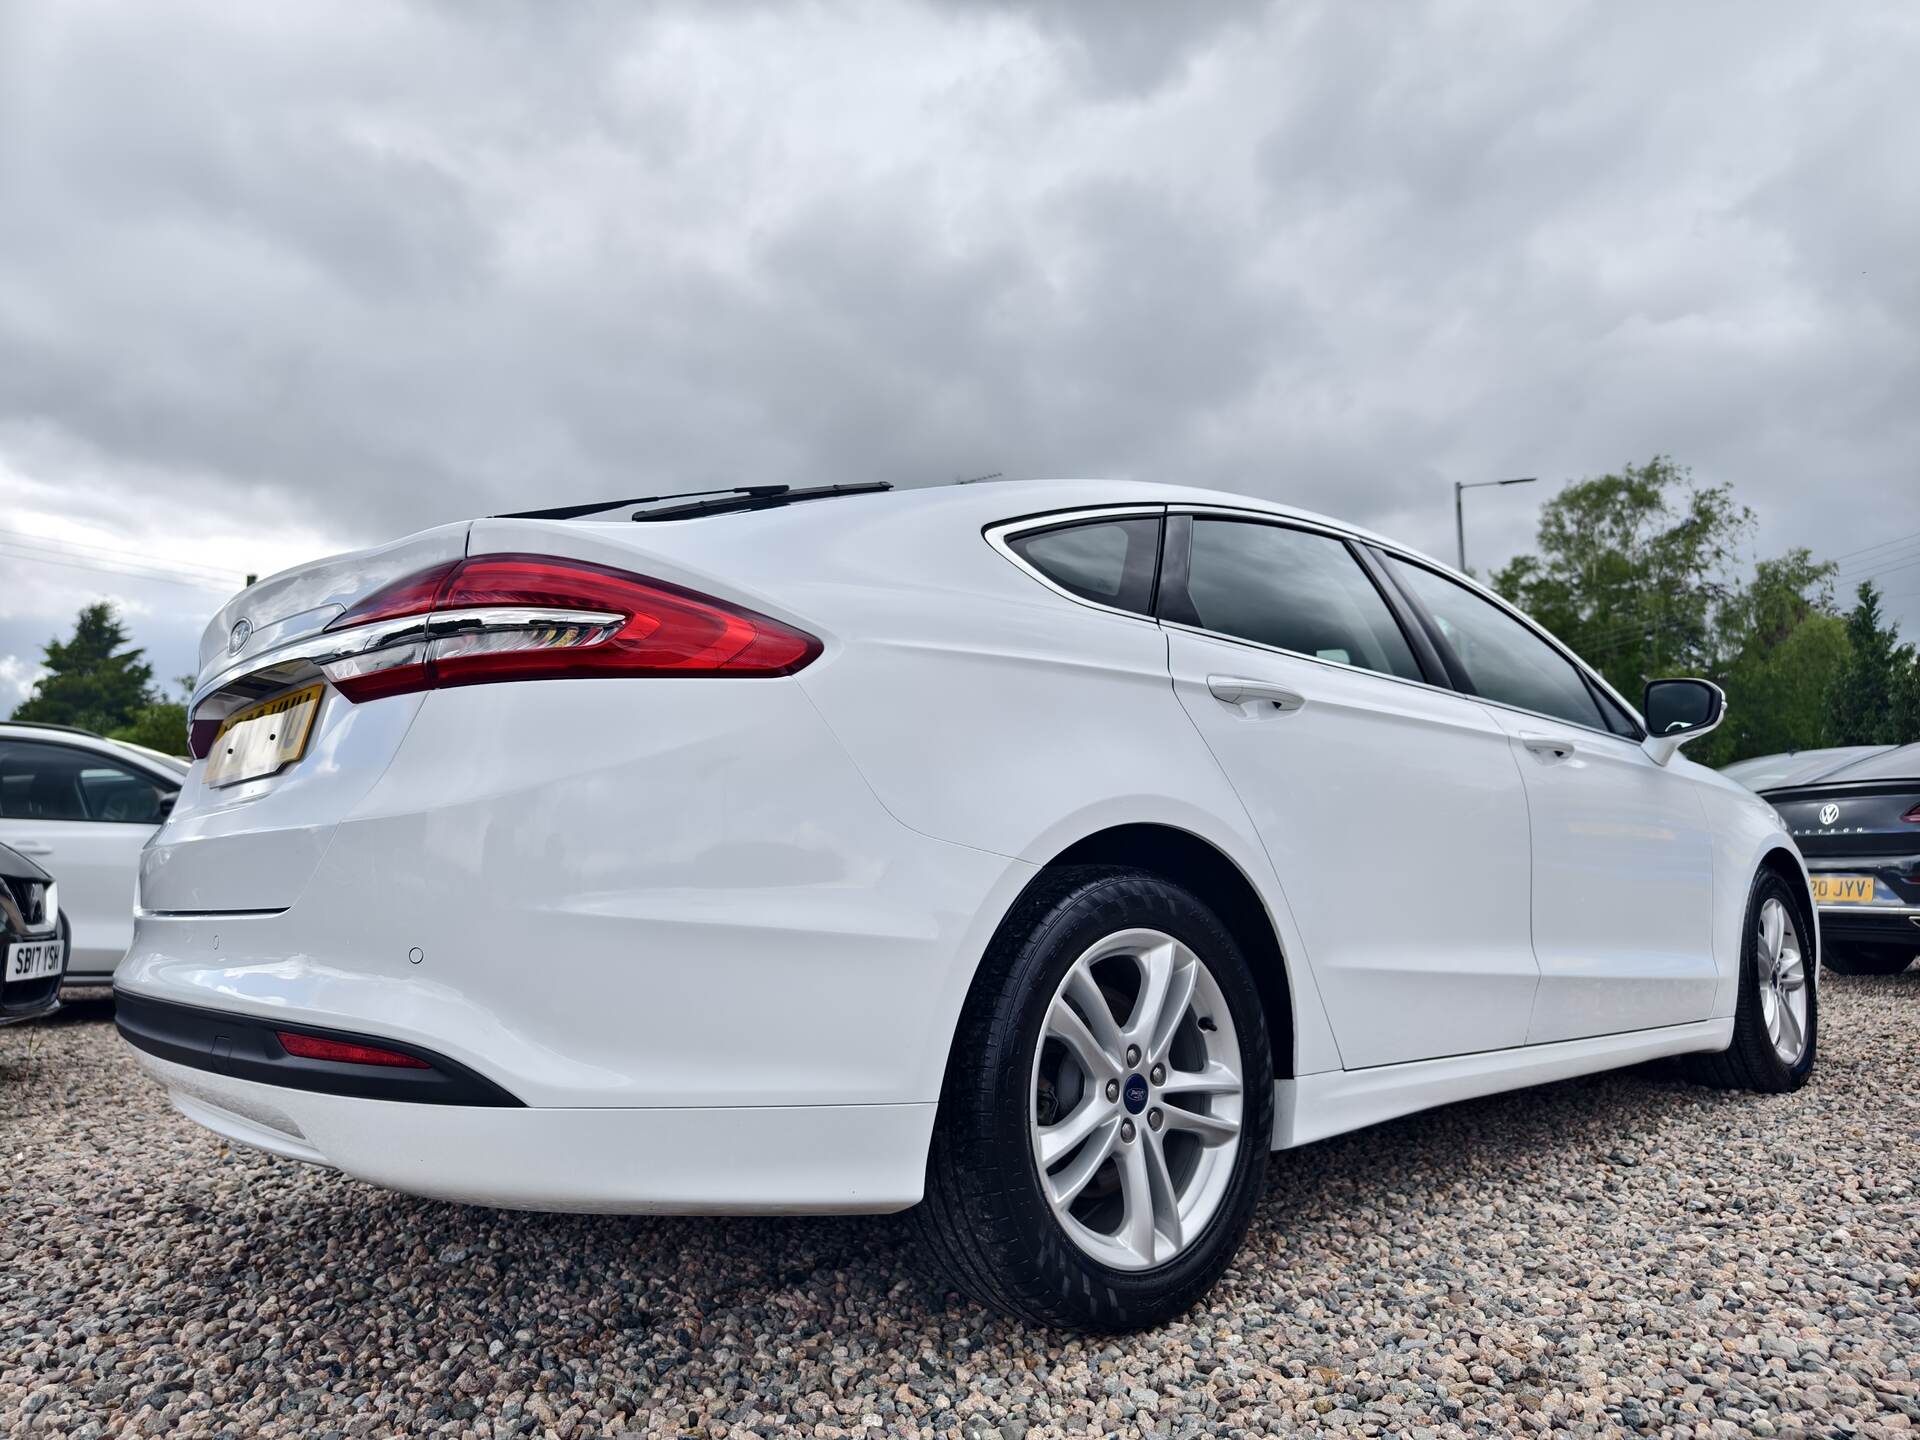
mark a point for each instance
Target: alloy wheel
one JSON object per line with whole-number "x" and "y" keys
{"x": 1783, "y": 982}
{"x": 1136, "y": 1099}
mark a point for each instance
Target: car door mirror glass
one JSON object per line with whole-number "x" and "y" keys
{"x": 1677, "y": 711}
{"x": 1680, "y": 707}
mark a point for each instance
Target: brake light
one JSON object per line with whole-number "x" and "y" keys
{"x": 312, "y": 1047}
{"x": 533, "y": 617}
{"x": 201, "y": 733}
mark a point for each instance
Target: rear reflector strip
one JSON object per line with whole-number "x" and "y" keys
{"x": 332, "y": 1062}
{"x": 312, "y": 1047}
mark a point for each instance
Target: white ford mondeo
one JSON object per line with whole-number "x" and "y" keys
{"x": 1036, "y": 854}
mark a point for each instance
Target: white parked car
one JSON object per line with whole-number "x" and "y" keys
{"x": 81, "y": 807}
{"x": 1037, "y": 854}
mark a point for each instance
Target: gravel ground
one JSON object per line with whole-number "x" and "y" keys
{"x": 1625, "y": 1252}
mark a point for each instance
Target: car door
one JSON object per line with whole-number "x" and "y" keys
{"x": 1392, "y": 809}
{"x": 83, "y": 816}
{"x": 1622, "y": 852}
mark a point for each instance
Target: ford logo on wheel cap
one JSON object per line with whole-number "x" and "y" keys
{"x": 1829, "y": 814}
{"x": 1135, "y": 1093}
{"x": 237, "y": 639}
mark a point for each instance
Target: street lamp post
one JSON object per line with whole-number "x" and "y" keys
{"x": 1459, "y": 512}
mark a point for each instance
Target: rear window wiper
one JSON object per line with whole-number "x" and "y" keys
{"x": 703, "y": 502}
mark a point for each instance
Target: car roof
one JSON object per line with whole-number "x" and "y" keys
{"x": 986, "y": 502}
{"x": 176, "y": 763}
{"x": 1037, "y": 496}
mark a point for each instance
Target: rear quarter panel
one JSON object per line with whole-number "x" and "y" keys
{"x": 988, "y": 711}
{"x": 983, "y": 709}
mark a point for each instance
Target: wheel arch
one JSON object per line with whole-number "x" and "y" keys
{"x": 1188, "y": 859}
{"x": 1787, "y": 866}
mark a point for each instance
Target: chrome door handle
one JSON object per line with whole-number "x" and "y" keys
{"x": 1234, "y": 690}
{"x": 1550, "y": 749}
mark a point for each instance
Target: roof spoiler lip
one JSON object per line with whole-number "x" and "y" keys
{"x": 726, "y": 500}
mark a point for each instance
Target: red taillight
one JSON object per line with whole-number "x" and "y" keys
{"x": 312, "y": 1047}
{"x": 409, "y": 595}
{"x": 532, "y": 617}
{"x": 200, "y": 737}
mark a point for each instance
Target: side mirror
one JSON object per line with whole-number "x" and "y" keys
{"x": 1677, "y": 711}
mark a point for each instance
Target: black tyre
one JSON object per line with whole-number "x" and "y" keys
{"x": 1856, "y": 959}
{"x": 1776, "y": 1022}
{"x": 1153, "y": 1117}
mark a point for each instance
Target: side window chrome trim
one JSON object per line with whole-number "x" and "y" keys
{"x": 1411, "y": 557}
{"x": 1001, "y": 532}
{"x": 1223, "y": 638}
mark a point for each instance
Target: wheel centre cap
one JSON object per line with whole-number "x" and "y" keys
{"x": 1134, "y": 1092}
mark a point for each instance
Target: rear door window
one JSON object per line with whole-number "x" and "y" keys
{"x": 1111, "y": 562}
{"x": 1293, "y": 589}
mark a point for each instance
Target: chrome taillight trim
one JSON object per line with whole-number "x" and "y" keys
{"x": 303, "y": 659}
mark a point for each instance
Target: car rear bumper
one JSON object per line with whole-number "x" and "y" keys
{"x": 30, "y": 1002}
{"x": 1872, "y": 924}
{"x": 708, "y": 1160}
{"x": 667, "y": 919}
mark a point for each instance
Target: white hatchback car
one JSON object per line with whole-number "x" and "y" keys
{"x": 1038, "y": 854}
{"x": 82, "y": 807}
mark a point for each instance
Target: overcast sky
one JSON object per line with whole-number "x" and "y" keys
{"x": 282, "y": 280}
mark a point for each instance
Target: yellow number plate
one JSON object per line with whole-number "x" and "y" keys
{"x": 1842, "y": 889}
{"x": 263, "y": 738}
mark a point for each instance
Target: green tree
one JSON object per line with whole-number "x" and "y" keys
{"x": 1906, "y": 711}
{"x": 1870, "y": 698}
{"x": 94, "y": 680}
{"x": 1781, "y": 649}
{"x": 161, "y": 724}
{"x": 1633, "y": 570}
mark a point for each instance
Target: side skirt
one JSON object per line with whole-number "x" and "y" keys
{"x": 1313, "y": 1107}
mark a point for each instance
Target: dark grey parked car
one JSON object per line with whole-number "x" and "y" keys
{"x": 33, "y": 939}
{"x": 1856, "y": 818}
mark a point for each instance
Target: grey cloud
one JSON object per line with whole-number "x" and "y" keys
{"x": 361, "y": 270}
